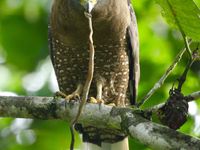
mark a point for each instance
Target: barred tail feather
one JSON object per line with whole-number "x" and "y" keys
{"x": 122, "y": 145}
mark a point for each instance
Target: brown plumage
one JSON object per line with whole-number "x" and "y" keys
{"x": 116, "y": 49}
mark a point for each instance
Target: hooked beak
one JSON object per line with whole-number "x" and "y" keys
{"x": 88, "y": 4}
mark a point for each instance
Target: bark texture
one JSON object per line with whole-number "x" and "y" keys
{"x": 125, "y": 120}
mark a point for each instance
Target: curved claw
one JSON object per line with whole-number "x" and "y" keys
{"x": 60, "y": 94}
{"x": 96, "y": 101}
{"x": 73, "y": 96}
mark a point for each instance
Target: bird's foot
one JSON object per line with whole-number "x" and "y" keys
{"x": 96, "y": 101}
{"x": 59, "y": 94}
{"x": 111, "y": 104}
{"x": 74, "y": 96}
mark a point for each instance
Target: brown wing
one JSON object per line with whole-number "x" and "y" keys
{"x": 134, "y": 66}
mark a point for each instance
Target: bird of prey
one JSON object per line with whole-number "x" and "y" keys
{"x": 115, "y": 36}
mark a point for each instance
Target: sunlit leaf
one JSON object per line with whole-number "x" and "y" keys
{"x": 187, "y": 14}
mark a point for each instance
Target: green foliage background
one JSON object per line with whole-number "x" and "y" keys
{"x": 25, "y": 69}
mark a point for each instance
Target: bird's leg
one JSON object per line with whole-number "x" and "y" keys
{"x": 75, "y": 95}
{"x": 99, "y": 92}
{"x": 98, "y": 98}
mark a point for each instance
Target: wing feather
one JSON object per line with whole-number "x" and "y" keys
{"x": 134, "y": 66}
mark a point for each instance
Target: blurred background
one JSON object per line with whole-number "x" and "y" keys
{"x": 25, "y": 69}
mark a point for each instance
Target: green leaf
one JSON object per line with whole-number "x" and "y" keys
{"x": 187, "y": 14}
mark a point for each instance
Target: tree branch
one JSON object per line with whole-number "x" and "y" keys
{"x": 193, "y": 96}
{"x": 120, "y": 119}
{"x": 161, "y": 81}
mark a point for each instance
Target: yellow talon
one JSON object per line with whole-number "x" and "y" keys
{"x": 100, "y": 101}
{"x": 96, "y": 101}
{"x": 73, "y": 96}
{"x": 111, "y": 104}
{"x": 92, "y": 100}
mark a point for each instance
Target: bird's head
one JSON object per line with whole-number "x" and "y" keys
{"x": 88, "y": 4}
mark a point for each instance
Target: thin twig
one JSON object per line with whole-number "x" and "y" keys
{"x": 182, "y": 79}
{"x": 72, "y": 137}
{"x": 161, "y": 81}
{"x": 193, "y": 96}
{"x": 88, "y": 81}
{"x": 90, "y": 68}
{"x": 154, "y": 108}
{"x": 158, "y": 84}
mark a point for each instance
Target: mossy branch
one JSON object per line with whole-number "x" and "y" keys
{"x": 125, "y": 120}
